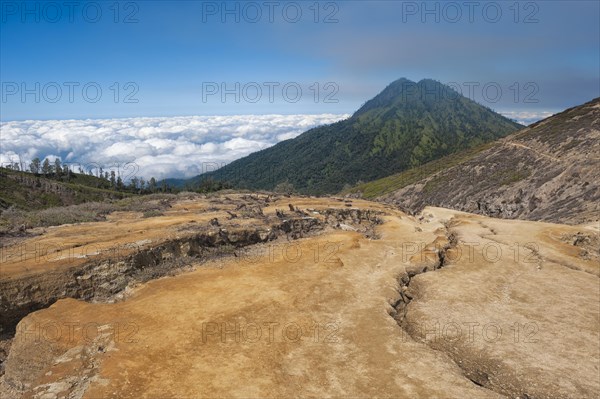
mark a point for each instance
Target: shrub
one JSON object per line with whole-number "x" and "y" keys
{"x": 152, "y": 213}
{"x": 285, "y": 188}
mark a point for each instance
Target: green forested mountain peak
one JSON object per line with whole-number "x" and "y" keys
{"x": 406, "y": 125}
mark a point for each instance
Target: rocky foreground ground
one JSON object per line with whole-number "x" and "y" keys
{"x": 258, "y": 296}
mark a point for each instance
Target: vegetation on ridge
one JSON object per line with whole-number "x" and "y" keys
{"x": 407, "y": 125}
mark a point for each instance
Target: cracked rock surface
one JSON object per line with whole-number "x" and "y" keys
{"x": 443, "y": 304}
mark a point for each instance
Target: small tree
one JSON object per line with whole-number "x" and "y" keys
{"x": 285, "y": 188}
{"x": 21, "y": 166}
{"x": 46, "y": 168}
{"x": 113, "y": 179}
{"x": 152, "y": 184}
{"x": 57, "y": 168}
{"x": 133, "y": 184}
{"x": 34, "y": 166}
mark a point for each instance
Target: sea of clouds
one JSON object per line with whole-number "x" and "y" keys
{"x": 162, "y": 147}
{"x": 527, "y": 117}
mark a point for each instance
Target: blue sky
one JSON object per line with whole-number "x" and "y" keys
{"x": 543, "y": 55}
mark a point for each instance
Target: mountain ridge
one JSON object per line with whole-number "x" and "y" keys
{"x": 405, "y": 125}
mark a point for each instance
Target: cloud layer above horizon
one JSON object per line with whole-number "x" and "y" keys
{"x": 178, "y": 147}
{"x": 162, "y": 147}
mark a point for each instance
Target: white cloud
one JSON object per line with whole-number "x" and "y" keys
{"x": 159, "y": 147}
{"x": 527, "y": 117}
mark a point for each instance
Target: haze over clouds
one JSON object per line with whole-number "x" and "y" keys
{"x": 527, "y": 117}
{"x": 160, "y": 147}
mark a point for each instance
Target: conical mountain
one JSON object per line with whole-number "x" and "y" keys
{"x": 406, "y": 125}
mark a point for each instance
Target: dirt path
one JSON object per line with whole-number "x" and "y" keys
{"x": 534, "y": 150}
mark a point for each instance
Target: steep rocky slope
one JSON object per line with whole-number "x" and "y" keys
{"x": 549, "y": 171}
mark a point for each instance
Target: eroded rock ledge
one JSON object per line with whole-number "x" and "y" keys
{"x": 430, "y": 258}
{"x": 101, "y": 280}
